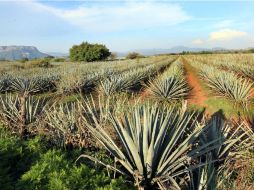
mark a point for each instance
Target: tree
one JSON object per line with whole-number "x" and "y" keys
{"x": 89, "y": 52}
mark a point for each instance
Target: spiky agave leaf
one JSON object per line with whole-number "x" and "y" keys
{"x": 234, "y": 141}
{"x": 115, "y": 84}
{"x": 228, "y": 85}
{"x": 10, "y": 113}
{"x": 63, "y": 126}
{"x": 205, "y": 176}
{"x": 28, "y": 85}
{"x": 248, "y": 71}
{"x": 169, "y": 89}
{"x": 156, "y": 143}
{"x": 5, "y": 82}
{"x": 232, "y": 138}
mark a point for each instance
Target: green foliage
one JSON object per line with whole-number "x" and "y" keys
{"x": 89, "y": 52}
{"x": 54, "y": 171}
{"x": 59, "y": 59}
{"x": 30, "y": 165}
{"x": 16, "y": 157}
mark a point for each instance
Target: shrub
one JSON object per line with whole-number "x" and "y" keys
{"x": 16, "y": 156}
{"x": 38, "y": 63}
{"x": 134, "y": 55}
{"x": 59, "y": 59}
{"x": 23, "y": 60}
{"x": 89, "y": 52}
{"x": 30, "y": 165}
{"x": 53, "y": 171}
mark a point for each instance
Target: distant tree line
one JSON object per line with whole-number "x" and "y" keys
{"x": 219, "y": 51}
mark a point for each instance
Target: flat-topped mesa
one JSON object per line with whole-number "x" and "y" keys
{"x": 20, "y": 52}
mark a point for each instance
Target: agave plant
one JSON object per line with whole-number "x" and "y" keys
{"x": 157, "y": 145}
{"x": 249, "y": 72}
{"x": 63, "y": 123}
{"x": 169, "y": 89}
{"x": 115, "y": 84}
{"x": 171, "y": 85}
{"x": 76, "y": 83}
{"x": 234, "y": 142}
{"x": 18, "y": 117}
{"x": 204, "y": 177}
{"x": 27, "y": 86}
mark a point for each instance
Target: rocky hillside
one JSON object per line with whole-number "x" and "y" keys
{"x": 20, "y": 52}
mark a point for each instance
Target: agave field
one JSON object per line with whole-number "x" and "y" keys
{"x": 161, "y": 122}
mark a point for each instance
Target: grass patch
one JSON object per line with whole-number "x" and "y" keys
{"x": 70, "y": 98}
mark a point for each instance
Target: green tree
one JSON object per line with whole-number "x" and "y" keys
{"x": 89, "y": 52}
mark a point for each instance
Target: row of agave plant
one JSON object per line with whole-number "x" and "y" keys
{"x": 153, "y": 145}
{"x": 171, "y": 85}
{"x": 244, "y": 70}
{"x": 26, "y": 87}
{"x": 83, "y": 78}
{"x": 131, "y": 80}
{"x": 79, "y": 80}
{"x": 228, "y": 63}
{"x": 226, "y": 84}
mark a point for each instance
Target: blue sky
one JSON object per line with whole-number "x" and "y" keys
{"x": 54, "y": 26}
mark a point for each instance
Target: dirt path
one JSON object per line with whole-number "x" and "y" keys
{"x": 197, "y": 95}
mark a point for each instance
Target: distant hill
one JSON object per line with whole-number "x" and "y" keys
{"x": 20, "y": 52}
{"x": 58, "y": 54}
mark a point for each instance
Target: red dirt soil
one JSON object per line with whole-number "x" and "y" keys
{"x": 197, "y": 95}
{"x": 145, "y": 94}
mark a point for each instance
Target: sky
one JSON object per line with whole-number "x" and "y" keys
{"x": 125, "y": 25}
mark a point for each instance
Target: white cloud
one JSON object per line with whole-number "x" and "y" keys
{"x": 130, "y": 15}
{"x": 229, "y": 35}
{"x": 226, "y": 35}
{"x": 198, "y": 41}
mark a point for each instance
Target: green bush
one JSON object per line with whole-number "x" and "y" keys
{"x": 89, "y": 52}
{"x": 134, "y": 55}
{"x": 59, "y": 59}
{"x": 54, "y": 171}
{"x": 16, "y": 157}
{"x": 31, "y": 165}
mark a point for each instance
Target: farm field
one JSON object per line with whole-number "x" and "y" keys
{"x": 168, "y": 122}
